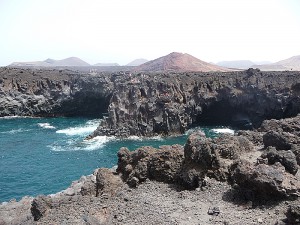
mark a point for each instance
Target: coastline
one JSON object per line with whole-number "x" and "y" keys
{"x": 158, "y": 185}
{"x": 227, "y": 180}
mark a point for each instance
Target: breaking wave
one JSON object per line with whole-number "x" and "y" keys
{"x": 46, "y": 125}
{"x": 223, "y": 131}
{"x": 81, "y": 130}
{"x": 79, "y": 145}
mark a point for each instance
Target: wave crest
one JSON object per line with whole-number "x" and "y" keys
{"x": 46, "y": 125}
{"x": 83, "y": 130}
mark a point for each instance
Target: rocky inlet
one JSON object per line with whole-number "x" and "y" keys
{"x": 250, "y": 177}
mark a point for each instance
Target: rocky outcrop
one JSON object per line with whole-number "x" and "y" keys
{"x": 162, "y": 164}
{"x": 146, "y": 104}
{"x": 50, "y": 92}
{"x": 205, "y": 157}
{"x": 266, "y": 181}
{"x": 103, "y": 183}
{"x": 168, "y": 104}
{"x": 107, "y": 182}
{"x": 234, "y": 158}
{"x": 285, "y": 158}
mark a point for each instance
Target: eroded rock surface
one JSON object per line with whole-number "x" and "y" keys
{"x": 169, "y": 104}
{"x": 162, "y": 164}
{"x": 146, "y": 104}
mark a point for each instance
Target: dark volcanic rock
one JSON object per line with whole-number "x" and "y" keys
{"x": 290, "y": 125}
{"x": 50, "y": 92}
{"x": 152, "y": 103}
{"x": 266, "y": 181}
{"x": 211, "y": 157}
{"x": 273, "y": 138}
{"x": 293, "y": 214}
{"x": 161, "y": 164}
{"x": 40, "y": 205}
{"x": 286, "y": 158}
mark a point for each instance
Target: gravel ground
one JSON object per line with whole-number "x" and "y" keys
{"x": 159, "y": 203}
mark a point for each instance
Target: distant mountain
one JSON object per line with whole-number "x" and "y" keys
{"x": 137, "y": 62}
{"x": 178, "y": 62}
{"x": 72, "y": 61}
{"x": 238, "y": 64}
{"x": 106, "y": 64}
{"x": 262, "y": 62}
{"x": 292, "y": 63}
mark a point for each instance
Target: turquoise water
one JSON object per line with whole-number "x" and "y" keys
{"x": 44, "y": 155}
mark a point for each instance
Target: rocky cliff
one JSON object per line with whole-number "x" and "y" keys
{"x": 49, "y": 92}
{"x": 147, "y": 104}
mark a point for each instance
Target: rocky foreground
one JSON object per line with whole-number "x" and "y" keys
{"x": 248, "y": 178}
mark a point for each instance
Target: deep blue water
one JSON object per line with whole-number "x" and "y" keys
{"x": 44, "y": 155}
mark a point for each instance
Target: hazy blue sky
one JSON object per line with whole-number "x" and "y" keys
{"x": 123, "y": 30}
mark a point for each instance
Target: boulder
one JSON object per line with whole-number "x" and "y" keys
{"x": 107, "y": 182}
{"x": 277, "y": 140}
{"x": 40, "y": 205}
{"x": 163, "y": 164}
{"x": 265, "y": 181}
{"x": 211, "y": 157}
{"x": 286, "y": 158}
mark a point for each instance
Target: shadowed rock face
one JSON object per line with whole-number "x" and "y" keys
{"x": 168, "y": 104}
{"x": 34, "y": 92}
{"x": 151, "y": 104}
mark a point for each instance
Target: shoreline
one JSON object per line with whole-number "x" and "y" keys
{"x": 172, "y": 185}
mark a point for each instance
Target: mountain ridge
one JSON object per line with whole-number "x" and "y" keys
{"x": 70, "y": 61}
{"x": 292, "y": 63}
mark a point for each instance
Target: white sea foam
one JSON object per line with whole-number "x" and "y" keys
{"x": 18, "y": 117}
{"x": 85, "y": 145}
{"x": 82, "y": 130}
{"x": 46, "y": 125}
{"x": 158, "y": 138}
{"x": 223, "y": 131}
{"x": 137, "y": 138}
{"x": 192, "y": 130}
{"x": 96, "y": 143}
{"x": 15, "y": 131}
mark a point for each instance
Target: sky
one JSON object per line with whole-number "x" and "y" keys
{"x": 119, "y": 31}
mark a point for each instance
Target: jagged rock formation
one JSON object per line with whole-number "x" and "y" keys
{"x": 162, "y": 164}
{"x": 150, "y": 104}
{"x": 168, "y": 104}
{"x": 29, "y": 92}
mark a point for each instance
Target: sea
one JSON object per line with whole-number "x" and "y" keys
{"x": 44, "y": 155}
